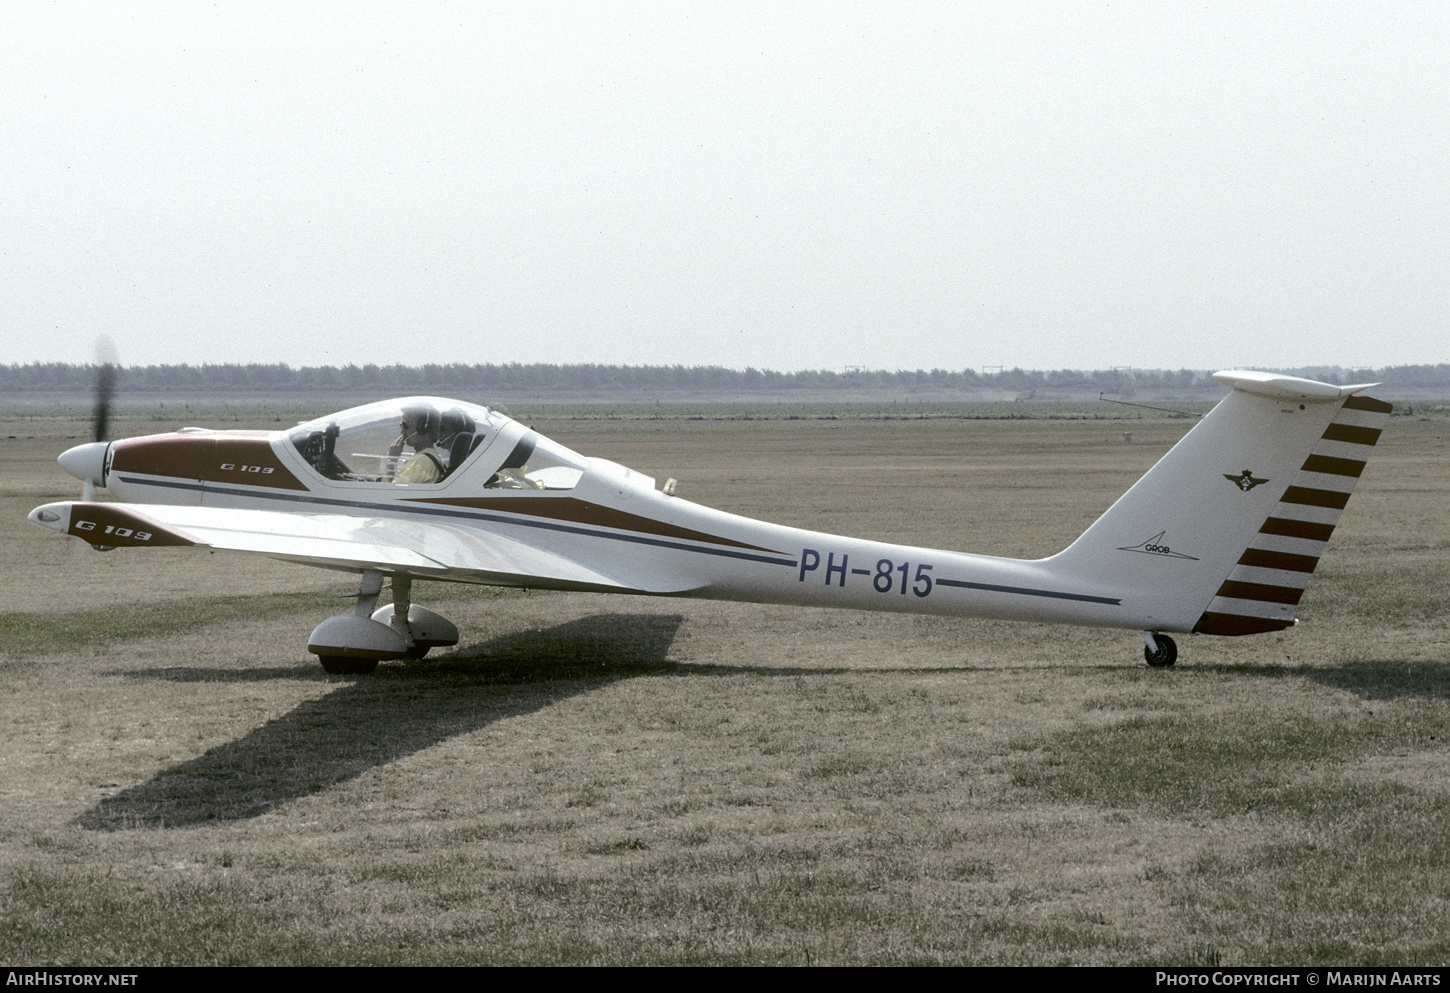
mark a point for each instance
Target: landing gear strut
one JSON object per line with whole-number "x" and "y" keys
{"x": 355, "y": 643}
{"x": 423, "y": 628}
{"x": 1159, "y": 650}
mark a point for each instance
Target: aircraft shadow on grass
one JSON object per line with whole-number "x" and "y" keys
{"x": 1370, "y": 679}
{"x": 1383, "y": 679}
{"x": 377, "y": 719}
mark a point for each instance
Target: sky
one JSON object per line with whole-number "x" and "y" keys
{"x": 784, "y": 186}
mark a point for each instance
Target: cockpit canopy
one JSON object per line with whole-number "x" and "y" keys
{"x": 361, "y": 445}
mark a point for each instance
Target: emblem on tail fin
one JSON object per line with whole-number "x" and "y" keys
{"x": 1245, "y": 480}
{"x": 1155, "y": 546}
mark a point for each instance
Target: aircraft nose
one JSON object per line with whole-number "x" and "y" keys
{"x": 86, "y": 461}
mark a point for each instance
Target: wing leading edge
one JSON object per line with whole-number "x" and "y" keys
{"x": 338, "y": 541}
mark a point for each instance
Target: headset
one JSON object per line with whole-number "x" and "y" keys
{"x": 429, "y": 424}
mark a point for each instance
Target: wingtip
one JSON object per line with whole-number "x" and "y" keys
{"x": 53, "y": 516}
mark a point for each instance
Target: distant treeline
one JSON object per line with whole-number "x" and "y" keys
{"x": 400, "y": 379}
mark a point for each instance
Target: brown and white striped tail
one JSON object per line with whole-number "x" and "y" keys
{"x": 1264, "y": 587}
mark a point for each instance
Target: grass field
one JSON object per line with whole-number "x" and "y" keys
{"x": 592, "y": 779}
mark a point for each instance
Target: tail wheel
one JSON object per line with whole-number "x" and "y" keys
{"x": 341, "y": 665}
{"x": 1166, "y": 654}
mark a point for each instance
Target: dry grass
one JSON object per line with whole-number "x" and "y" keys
{"x": 590, "y": 779}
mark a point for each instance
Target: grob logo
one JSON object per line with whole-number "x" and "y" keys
{"x": 1156, "y": 546}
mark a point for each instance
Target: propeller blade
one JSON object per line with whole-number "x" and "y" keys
{"x": 105, "y": 386}
{"x": 105, "y": 392}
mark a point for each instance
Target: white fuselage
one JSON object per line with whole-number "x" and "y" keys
{"x": 645, "y": 541}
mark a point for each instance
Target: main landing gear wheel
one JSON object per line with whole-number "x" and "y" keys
{"x": 354, "y": 644}
{"x": 341, "y": 665}
{"x": 1159, "y": 650}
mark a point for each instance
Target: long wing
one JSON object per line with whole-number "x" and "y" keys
{"x": 340, "y": 541}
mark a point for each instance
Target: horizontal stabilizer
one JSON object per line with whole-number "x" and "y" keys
{"x": 1278, "y": 387}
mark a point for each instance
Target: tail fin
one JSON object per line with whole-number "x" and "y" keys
{"x": 1221, "y": 536}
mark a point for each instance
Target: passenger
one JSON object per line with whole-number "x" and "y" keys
{"x": 420, "y": 432}
{"x": 456, "y": 437}
{"x": 454, "y": 421}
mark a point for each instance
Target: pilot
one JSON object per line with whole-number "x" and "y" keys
{"x": 420, "y": 432}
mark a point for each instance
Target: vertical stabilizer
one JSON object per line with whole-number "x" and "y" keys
{"x": 1222, "y": 534}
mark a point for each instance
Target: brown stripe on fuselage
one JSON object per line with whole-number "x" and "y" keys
{"x": 1361, "y": 402}
{"x": 1351, "y": 433}
{"x": 91, "y": 520}
{"x": 180, "y": 456}
{"x": 1264, "y": 559}
{"x": 244, "y": 457}
{"x": 1297, "y": 529}
{"x": 583, "y": 512}
{"x": 1262, "y": 592}
{"x": 1333, "y": 466}
{"x": 1236, "y": 624}
{"x": 1310, "y": 497}
{"x": 249, "y": 460}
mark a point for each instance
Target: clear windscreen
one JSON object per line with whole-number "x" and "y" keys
{"x": 366, "y": 444}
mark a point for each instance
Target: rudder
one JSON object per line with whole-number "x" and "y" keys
{"x": 1263, "y": 589}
